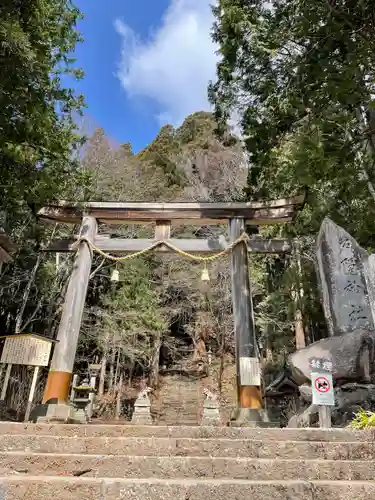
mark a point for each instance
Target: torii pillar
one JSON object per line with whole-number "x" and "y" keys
{"x": 61, "y": 370}
{"x": 249, "y": 410}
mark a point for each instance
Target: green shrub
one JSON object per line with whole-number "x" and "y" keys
{"x": 363, "y": 420}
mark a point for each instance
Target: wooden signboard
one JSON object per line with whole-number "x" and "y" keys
{"x": 26, "y": 350}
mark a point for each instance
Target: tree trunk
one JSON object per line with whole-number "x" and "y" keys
{"x": 117, "y": 366}
{"x": 111, "y": 371}
{"x": 118, "y": 399}
{"x": 367, "y": 124}
{"x": 103, "y": 369}
{"x": 154, "y": 376}
{"x": 131, "y": 370}
{"x": 268, "y": 352}
{"x": 298, "y": 296}
{"x": 222, "y": 354}
{"x": 26, "y": 293}
{"x": 299, "y": 330}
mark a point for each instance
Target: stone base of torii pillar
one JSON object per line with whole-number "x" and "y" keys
{"x": 52, "y": 412}
{"x": 250, "y": 417}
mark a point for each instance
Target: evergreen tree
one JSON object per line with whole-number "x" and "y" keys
{"x": 37, "y": 38}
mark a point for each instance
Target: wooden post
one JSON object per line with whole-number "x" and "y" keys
{"x": 247, "y": 356}
{"x": 62, "y": 364}
{"x": 31, "y": 394}
{"x": 118, "y": 399}
{"x": 6, "y": 382}
{"x": 298, "y": 296}
{"x": 111, "y": 370}
{"x": 325, "y": 417}
{"x": 163, "y": 230}
{"x": 74, "y": 384}
{"x": 103, "y": 369}
{"x": 90, "y": 407}
{"x": 322, "y": 389}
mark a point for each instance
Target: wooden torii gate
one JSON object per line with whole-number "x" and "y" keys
{"x": 236, "y": 215}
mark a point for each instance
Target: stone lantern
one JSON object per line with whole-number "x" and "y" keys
{"x": 81, "y": 401}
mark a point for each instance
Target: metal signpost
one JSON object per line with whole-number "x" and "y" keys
{"x": 322, "y": 389}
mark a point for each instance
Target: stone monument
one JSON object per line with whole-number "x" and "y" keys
{"x": 347, "y": 280}
{"x": 347, "y": 285}
{"x": 142, "y": 408}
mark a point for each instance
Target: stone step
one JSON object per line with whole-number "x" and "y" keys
{"x": 122, "y": 466}
{"x": 269, "y": 434}
{"x": 176, "y": 410}
{"x": 70, "y": 488}
{"x": 179, "y": 400}
{"x": 177, "y": 422}
{"x": 189, "y": 447}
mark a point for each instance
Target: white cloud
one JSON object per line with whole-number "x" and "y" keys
{"x": 173, "y": 67}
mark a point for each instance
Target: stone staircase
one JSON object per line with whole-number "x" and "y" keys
{"x": 126, "y": 462}
{"x": 178, "y": 400}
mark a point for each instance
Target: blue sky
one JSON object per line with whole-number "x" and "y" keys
{"x": 146, "y": 63}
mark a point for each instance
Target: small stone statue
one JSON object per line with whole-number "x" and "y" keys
{"x": 144, "y": 393}
{"x": 142, "y": 408}
{"x": 211, "y": 409}
{"x": 210, "y": 396}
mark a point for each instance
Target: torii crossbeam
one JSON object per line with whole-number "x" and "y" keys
{"x": 163, "y": 216}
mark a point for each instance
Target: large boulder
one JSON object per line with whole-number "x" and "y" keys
{"x": 353, "y": 359}
{"x": 352, "y": 356}
{"x": 349, "y": 398}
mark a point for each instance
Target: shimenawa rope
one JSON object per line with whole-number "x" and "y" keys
{"x": 198, "y": 258}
